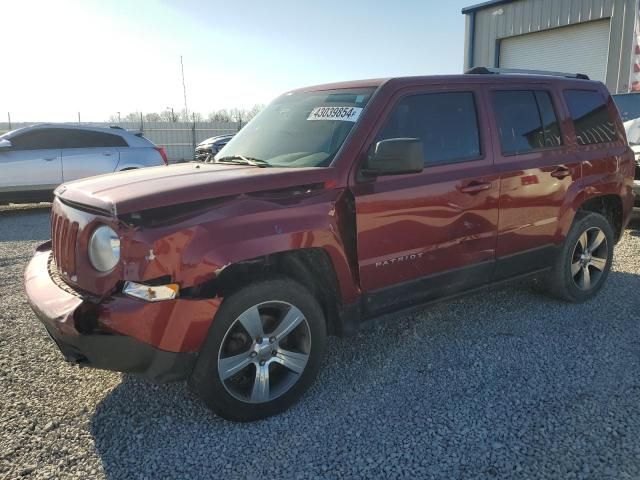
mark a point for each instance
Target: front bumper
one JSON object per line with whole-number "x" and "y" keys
{"x": 158, "y": 341}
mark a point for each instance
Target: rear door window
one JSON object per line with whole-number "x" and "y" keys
{"x": 526, "y": 121}
{"x": 446, "y": 123}
{"x": 550, "y": 126}
{"x": 91, "y": 139}
{"x": 591, "y": 117}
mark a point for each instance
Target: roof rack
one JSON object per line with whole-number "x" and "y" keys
{"x": 517, "y": 71}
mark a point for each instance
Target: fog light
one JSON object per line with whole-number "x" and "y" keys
{"x": 151, "y": 293}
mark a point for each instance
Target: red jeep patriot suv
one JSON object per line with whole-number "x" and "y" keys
{"x": 336, "y": 204}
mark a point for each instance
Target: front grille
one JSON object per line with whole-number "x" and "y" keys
{"x": 64, "y": 235}
{"x": 55, "y": 276}
{"x": 202, "y": 153}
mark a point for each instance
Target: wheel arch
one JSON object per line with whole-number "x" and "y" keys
{"x": 311, "y": 267}
{"x": 609, "y": 206}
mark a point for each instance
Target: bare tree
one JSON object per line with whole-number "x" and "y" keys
{"x": 256, "y": 109}
{"x": 185, "y": 116}
{"x": 152, "y": 117}
{"x": 132, "y": 117}
{"x": 219, "y": 116}
{"x": 168, "y": 115}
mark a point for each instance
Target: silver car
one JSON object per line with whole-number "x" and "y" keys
{"x": 35, "y": 160}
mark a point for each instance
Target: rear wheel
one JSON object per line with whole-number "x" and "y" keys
{"x": 263, "y": 350}
{"x": 585, "y": 259}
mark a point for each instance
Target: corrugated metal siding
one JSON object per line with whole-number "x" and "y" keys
{"x": 579, "y": 48}
{"x": 527, "y": 16}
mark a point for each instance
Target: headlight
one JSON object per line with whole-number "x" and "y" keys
{"x": 104, "y": 249}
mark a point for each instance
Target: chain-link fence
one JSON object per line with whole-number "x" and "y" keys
{"x": 178, "y": 138}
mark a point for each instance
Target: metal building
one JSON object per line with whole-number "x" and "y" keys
{"x": 595, "y": 37}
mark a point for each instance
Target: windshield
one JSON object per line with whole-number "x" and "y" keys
{"x": 299, "y": 129}
{"x": 628, "y": 105}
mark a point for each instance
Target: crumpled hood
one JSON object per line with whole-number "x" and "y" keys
{"x": 138, "y": 190}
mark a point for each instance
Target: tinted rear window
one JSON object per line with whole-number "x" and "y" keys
{"x": 526, "y": 121}
{"x": 550, "y": 126}
{"x": 91, "y": 139}
{"x": 591, "y": 117}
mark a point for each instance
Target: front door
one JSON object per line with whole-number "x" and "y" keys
{"x": 429, "y": 234}
{"x": 31, "y": 167}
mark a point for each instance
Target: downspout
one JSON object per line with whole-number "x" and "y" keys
{"x": 472, "y": 38}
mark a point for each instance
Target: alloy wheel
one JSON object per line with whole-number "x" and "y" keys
{"x": 264, "y": 352}
{"x": 589, "y": 260}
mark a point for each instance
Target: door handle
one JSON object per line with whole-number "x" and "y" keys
{"x": 50, "y": 159}
{"x": 561, "y": 172}
{"x": 107, "y": 154}
{"x": 475, "y": 187}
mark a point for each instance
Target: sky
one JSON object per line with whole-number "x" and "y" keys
{"x": 98, "y": 58}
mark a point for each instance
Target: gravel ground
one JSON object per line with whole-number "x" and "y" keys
{"x": 504, "y": 384}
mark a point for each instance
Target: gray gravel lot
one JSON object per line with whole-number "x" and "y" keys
{"x": 503, "y": 384}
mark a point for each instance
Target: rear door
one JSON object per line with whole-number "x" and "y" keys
{"x": 429, "y": 234}
{"x": 538, "y": 168}
{"x": 86, "y": 153}
{"x": 32, "y": 163}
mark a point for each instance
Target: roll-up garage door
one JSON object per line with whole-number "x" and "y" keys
{"x": 581, "y": 48}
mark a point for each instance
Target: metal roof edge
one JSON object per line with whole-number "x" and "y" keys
{"x": 480, "y": 6}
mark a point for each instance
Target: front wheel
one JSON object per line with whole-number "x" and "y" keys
{"x": 584, "y": 260}
{"x": 264, "y": 349}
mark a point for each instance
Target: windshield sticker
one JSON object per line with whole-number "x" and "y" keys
{"x": 346, "y": 114}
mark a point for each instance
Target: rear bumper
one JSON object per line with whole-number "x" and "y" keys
{"x": 158, "y": 341}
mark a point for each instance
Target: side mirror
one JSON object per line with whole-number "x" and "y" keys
{"x": 395, "y": 156}
{"x": 4, "y": 143}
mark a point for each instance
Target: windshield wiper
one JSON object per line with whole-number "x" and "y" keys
{"x": 242, "y": 160}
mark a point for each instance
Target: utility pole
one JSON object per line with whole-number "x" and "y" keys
{"x": 173, "y": 116}
{"x": 193, "y": 133}
{"x": 78, "y": 117}
{"x": 9, "y": 117}
{"x": 118, "y": 117}
{"x": 184, "y": 90}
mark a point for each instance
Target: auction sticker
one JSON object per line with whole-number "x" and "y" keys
{"x": 346, "y": 114}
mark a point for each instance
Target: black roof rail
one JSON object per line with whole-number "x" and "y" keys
{"x": 117, "y": 127}
{"x": 517, "y": 71}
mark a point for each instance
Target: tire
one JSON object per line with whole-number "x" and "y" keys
{"x": 234, "y": 335}
{"x": 568, "y": 280}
